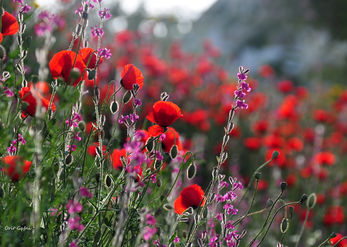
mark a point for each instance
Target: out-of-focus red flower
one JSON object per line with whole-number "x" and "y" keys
{"x": 291, "y": 179}
{"x": 63, "y": 62}
{"x": 325, "y": 158}
{"x": 89, "y": 57}
{"x": 171, "y": 137}
{"x": 260, "y": 127}
{"x": 285, "y": 86}
{"x": 309, "y": 135}
{"x": 235, "y": 132}
{"x": 336, "y": 239}
{"x": 322, "y": 116}
{"x": 321, "y": 198}
{"x": 198, "y": 118}
{"x": 334, "y": 215}
{"x": 131, "y": 75}
{"x": 164, "y": 113}
{"x": 28, "y": 95}
{"x": 306, "y": 172}
{"x": 116, "y": 158}
{"x": 287, "y": 109}
{"x": 273, "y": 141}
{"x": 15, "y": 167}
{"x": 9, "y": 25}
{"x": 92, "y": 149}
{"x": 252, "y": 143}
{"x": 295, "y": 144}
{"x": 190, "y": 196}
{"x": 262, "y": 184}
{"x": 266, "y": 71}
{"x": 301, "y": 92}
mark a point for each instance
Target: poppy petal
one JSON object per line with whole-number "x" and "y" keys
{"x": 9, "y": 25}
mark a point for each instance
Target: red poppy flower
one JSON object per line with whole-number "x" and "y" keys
{"x": 252, "y": 143}
{"x": 295, "y": 144}
{"x": 89, "y": 57}
{"x": 260, "y": 127}
{"x": 325, "y": 158}
{"x": 171, "y": 137}
{"x": 266, "y": 71}
{"x": 131, "y": 76}
{"x": 15, "y": 167}
{"x": 336, "y": 239}
{"x": 164, "y": 113}
{"x": 92, "y": 149}
{"x": 190, "y": 196}
{"x": 285, "y": 86}
{"x": 334, "y": 215}
{"x": 9, "y": 25}
{"x": 116, "y": 158}
{"x": 62, "y": 63}
{"x": 28, "y": 95}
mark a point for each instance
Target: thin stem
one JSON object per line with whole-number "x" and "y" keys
{"x": 303, "y": 227}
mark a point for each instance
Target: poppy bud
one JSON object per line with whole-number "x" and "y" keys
{"x": 191, "y": 171}
{"x": 164, "y": 96}
{"x": 269, "y": 203}
{"x": 257, "y": 175}
{"x": 75, "y": 73}
{"x": 303, "y": 198}
{"x": 173, "y": 151}
{"x": 311, "y": 201}
{"x": 114, "y": 107}
{"x": 91, "y": 74}
{"x": 167, "y": 207}
{"x": 150, "y": 144}
{"x": 68, "y": 159}
{"x": 283, "y": 186}
{"x": 108, "y": 181}
{"x": 127, "y": 97}
{"x": 82, "y": 125}
{"x": 284, "y": 225}
{"x": 275, "y": 154}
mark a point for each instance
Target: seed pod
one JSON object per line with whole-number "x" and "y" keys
{"x": 127, "y": 97}
{"x": 136, "y": 88}
{"x": 158, "y": 164}
{"x": 311, "y": 201}
{"x": 108, "y": 181}
{"x": 283, "y": 186}
{"x": 284, "y": 225}
{"x": 191, "y": 171}
{"x": 291, "y": 212}
{"x": 173, "y": 151}
{"x": 214, "y": 172}
{"x": 150, "y": 144}
{"x": 91, "y": 74}
{"x": 102, "y": 120}
{"x": 167, "y": 207}
{"x": 188, "y": 211}
{"x": 183, "y": 219}
{"x": 68, "y": 159}
{"x": 114, "y": 107}
{"x": 1, "y": 192}
{"x": 82, "y": 125}
{"x": 164, "y": 96}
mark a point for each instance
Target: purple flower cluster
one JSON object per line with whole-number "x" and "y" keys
{"x": 23, "y": 7}
{"x": 242, "y": 89}
{"x": 104, "y": 52}
{"x": 84, "y": 192}
{"x": 47, "y": 22}
{"x": 74, "y": 207}
{"x": 134, "y": 148}
{"x": 97, "y": 31}
{"x": 75, "y": 119}
{"x": 105, "y": 14}
{"x": 128, "y": 119}
{"x": 12, "y": 149}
